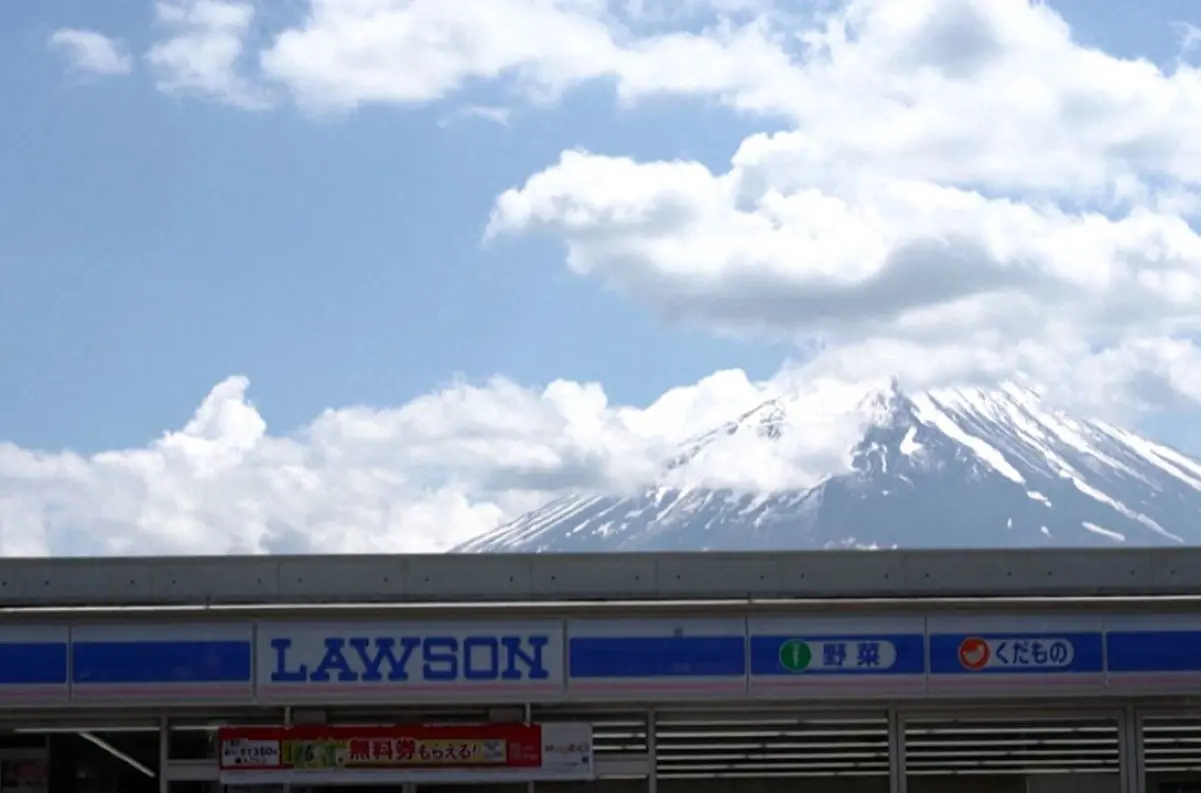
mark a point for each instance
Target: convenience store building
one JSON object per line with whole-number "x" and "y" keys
{"x": 867, "y": 672}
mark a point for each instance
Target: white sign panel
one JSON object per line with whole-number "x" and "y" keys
{"x": 250, "y": 753}
{"x": 567, "y": 751}
{"x": 409, "y": 661}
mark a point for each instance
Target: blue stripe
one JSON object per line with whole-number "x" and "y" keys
{"x": 657, "y": 656}
{"x": 1087, "y": 648}
{"x": 910, "y": 657}
{"x": 1156, "y": 651}
{"x": 162, "y": 662}
{"x": 33, "y": 663}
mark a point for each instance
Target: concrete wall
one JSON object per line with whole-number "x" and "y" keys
{"x": 549, "y": 577}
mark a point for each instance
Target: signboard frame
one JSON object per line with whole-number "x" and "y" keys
{"x": 362, "y": 661}
{"x": 831, "y": 657}
{"x": 396, "y": 754}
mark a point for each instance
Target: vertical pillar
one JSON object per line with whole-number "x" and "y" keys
{"x": 287, "y": 788}
{"x": 1140, "y": 752}
{"x": 897, "y": 782}
{"x": 1131, "y": 753}
{"x": 164, "y": 755}
{"x": 528, "y": 719}
{"x": 652, "y": 753}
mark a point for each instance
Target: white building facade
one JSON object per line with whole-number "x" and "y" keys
{"x": 873, "y": 672}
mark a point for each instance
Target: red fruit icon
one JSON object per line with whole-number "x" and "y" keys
{"x": 974, "y": 653}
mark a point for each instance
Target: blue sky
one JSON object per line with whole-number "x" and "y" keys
{"x": 153, "y": 246}
{"x": 158, "y": 235}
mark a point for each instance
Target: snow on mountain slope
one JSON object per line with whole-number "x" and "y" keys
{"x": 945, "y": 468}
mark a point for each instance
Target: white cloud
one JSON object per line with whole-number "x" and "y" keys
{"x": 497, "y": 115}
{"x": 961, "y": 176}
{"x": 1190, "y": 37}
{"x": 90, "y": 52}
{"x": 202, "y": 49}
{"x": 382, "y": 51}
{"x": 342, "y": 54}
{"x": 967, "y": 192}
{"x": 419, "y": 477}
{"x": 449, "y": 465}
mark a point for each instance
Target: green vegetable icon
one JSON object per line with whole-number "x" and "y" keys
{"x": 795, "y": 655}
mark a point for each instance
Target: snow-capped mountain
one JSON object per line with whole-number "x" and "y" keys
{"x": 943, "y": 468}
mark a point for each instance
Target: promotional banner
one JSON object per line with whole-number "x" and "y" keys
{"x": 388, "y": 754}
{"x": 24, "y": 770}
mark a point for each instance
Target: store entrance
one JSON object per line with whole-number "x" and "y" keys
{"x": 78, "y": 761}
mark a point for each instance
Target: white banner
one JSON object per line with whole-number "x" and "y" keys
{"x": 563, "y": 752}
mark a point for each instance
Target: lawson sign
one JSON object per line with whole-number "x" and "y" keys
{"x": 293, "y": 662}
{"x": 368, "y": 660}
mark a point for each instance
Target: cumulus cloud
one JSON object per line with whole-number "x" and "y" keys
{"x": 338, "y": 55}
{"x": 419, "y": 477}
{"x": 442, "y": 468}
{"x": 960, "y": 176}
{"x": 89, "y": 52}
{"x": 966, "y": 192}
{"x": 201, "y": 51}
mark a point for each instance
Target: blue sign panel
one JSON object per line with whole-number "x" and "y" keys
{"x": 793, "y": 656}
{"x": 33, "y": 664}
{"x": 1013, "y": 653}
{"x": 174, "y": 662}
{"x": 1166, "y": 658}
{"x": 690, "y": 658}
{"x": 656, "y": 656}
{"x": 168, "y": 663}
{"x": 1153, "y": 651}
{"x": 353, "y": 662}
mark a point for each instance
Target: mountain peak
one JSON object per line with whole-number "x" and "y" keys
{"x": 947, "y": 467}
{"x": 886, "y": 405}
{"x": 802, "y": 437}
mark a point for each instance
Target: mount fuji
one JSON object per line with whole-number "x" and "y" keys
{"x": 946, "y": 468}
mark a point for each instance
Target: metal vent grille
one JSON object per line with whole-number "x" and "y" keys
{"x": 977, "y": 747}
{"x": 614, "y": 735}
{"x": 1172, "y": 744}
{"x": 741, "y": 745}
{"x": 614, "y": 732}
